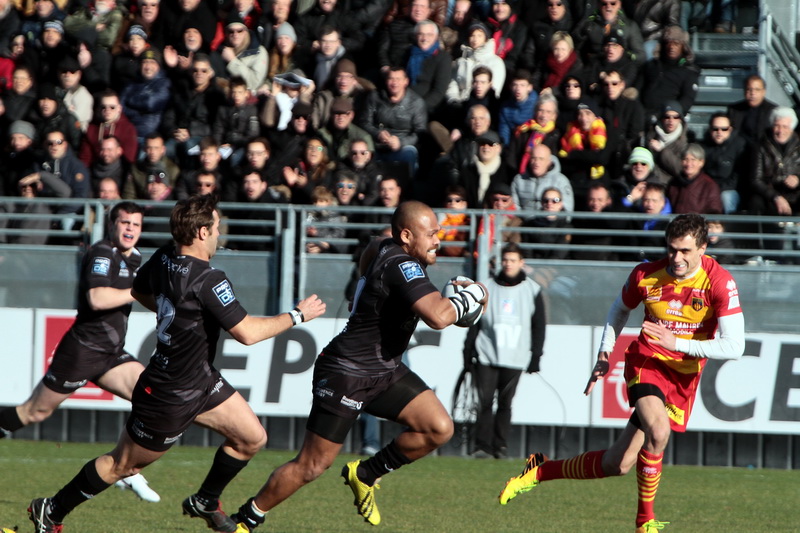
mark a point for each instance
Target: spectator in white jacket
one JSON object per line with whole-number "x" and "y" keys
{"x": 479, "y": 52}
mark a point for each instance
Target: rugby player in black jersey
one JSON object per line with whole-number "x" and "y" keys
{"x": 180, "y": 385}
{"x": 361, "y": 370}
{"x": 93, "y": 349}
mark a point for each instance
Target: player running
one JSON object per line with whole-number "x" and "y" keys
{"x": 180, "y": 385}
{"x": 692, "y": 314}
{"x": 94, "y": 347}
{"x": 360, "y": 369}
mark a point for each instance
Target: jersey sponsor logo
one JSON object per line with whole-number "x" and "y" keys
{"x": 138, "y": 429}
{"x": 675, "y": 413}
{"x": 697, "y": 304}
{"x": 170, "y": 440}
{"x": 123, "y": 270}
{"x": 323, "y": 392}
{"x": 173, "y": 267}
{"x": 224, "y": 293}
{"x": 217, "y": 387}
{"x": 75, "y": 384}
{"x": 653, "y": 294}
{"x": 101, "y": 266}
{"x": 411, "y": 270}
{"x": 351, "y": 403}
{"x": 733, "y": 302}
{"x": 675, "y": 307}
{"x": 507, "y": 307}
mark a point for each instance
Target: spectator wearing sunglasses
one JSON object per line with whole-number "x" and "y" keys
{"x": 552, "y": 202}
{"x": 624, "y": 119}
{"x": 365, "y": 170}
{"x": 557, "y": 17}
{"x": 727, "y": 160}
{"x": 455, "y": 201}
{"x": 543, "y": 173}
{"x": 487, "y": 168}
{"x": 628, "y": 189}
{"x": 613, "y": 58}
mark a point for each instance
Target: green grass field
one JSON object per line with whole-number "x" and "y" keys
{"x": 436, "y": 495}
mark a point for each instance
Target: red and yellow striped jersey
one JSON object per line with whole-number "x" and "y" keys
{"x": 690, "y": 308}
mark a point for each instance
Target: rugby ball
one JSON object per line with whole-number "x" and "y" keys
{"x": 473, "y": 315}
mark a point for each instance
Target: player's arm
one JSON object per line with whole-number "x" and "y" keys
{"x": 104, "y": 298}
{"x": 728, "y": 344}
{"x": 439, "y": 311}
{"x": 146, "y": 300}
{"x": 615, "y": 320}
{"x": 252, "y": 329}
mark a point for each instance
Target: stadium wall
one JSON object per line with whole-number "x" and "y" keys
{"x": 747, "y": 411}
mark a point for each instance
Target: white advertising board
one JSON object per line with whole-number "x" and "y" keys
{"x": 759, "y": 393}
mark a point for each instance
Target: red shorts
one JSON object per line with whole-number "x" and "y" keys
{"x": 676, "y": 380}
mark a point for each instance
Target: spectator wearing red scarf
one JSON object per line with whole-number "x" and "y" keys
{"x": 510, "y": 37}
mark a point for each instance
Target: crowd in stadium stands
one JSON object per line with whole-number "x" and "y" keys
{"x": 523, "y": 106}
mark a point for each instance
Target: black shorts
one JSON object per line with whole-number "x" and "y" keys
{"x": 339, "y": 398}
{"x": 74, "y": 365}
{"x": 156, "y": 425}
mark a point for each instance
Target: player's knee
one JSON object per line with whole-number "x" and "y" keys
{"x": 34, "y": 415}
{"x": 617, "y": 466}
{"x": 441, "y": 431}
{"x": 312, "y": 468}
{"x": 254, "y": 443}
{"x": 658, "y": 437}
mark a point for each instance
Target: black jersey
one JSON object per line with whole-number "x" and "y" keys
{"x": 104, "y": 266}
{"x": 194, "y": 300}
{"x": 382, "y": 322}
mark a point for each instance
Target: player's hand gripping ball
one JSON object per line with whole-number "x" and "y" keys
{"x": 468, "y": 300}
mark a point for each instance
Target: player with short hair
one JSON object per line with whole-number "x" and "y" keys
{"x": 93, "y": 349}
{"x": 360, "y": 369}
{"x": 692, "y": 314}
{"x": 180, "y": 384}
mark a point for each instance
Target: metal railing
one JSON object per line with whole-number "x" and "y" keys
{"x": 778, "y": 54}
{"x": 284, "y": 228}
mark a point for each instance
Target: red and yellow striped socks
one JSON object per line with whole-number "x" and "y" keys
{"x": 648, "y": 474}
{"x": 585, "y": 466}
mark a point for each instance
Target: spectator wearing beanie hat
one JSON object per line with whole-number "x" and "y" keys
{"x": 126, "y": 64}
{"x": 344, "y": 83}
{"x": 48, "y": 53}
{"x": 19, "y": 160}
{"x": 45, "y": 11}
{"x": 668, "y": 137}
{"x": 671, "y": 75}
{"x": 146, "y": 99}
{"x": 340, "y": 132}
{"x": 629, "y": 188}
{"x": 282, "y": 54}
{"x": 50, "y": 114}
{"x": 77, "y": 99}
{"x": 241, "y": 54}
{"x": 178, "y": 60}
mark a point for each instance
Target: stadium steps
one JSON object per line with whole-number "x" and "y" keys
{"x": 725, "y": 60}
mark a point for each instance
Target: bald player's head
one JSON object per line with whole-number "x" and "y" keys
{"x": 415, "y": 228}
{"x": 406, "y": 215}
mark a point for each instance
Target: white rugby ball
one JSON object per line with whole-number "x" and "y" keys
{"x": 472, "y": 317}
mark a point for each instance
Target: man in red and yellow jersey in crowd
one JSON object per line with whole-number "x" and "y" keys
{"x": 692, "y": 314}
